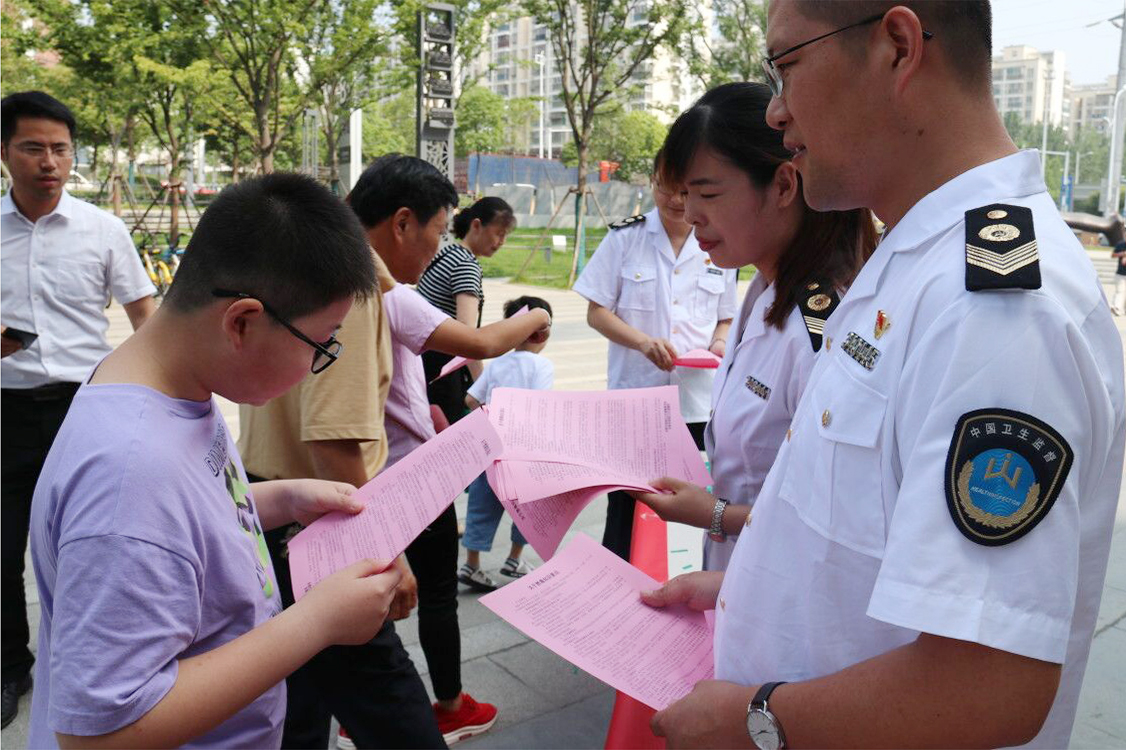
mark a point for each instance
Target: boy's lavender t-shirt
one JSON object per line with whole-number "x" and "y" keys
{"x": 412, "y": 320}
{"x": 147, "y": 549}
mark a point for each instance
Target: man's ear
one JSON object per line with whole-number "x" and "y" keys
{"x": 401, "y": 221}
{"x": 238, "y": 318}
{"x": 901, "y": 36}
{"x": 786, "y": 186}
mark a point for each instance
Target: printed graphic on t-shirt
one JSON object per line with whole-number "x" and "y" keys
{"x": 248, "y": 521}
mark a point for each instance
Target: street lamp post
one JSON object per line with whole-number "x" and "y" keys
{"x": 1110, "y": 201}
{"x": 540, "y": 61}
{"x": 1048, "y": 75}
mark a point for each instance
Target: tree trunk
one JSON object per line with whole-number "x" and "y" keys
{"x": 174, "y": 198}
{"x": 93, "y": 166}
{"x": 333, "y": 155}
{"x": 579, "y": 260}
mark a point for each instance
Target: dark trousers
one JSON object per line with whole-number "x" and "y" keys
{"x": 374, "y": 690}
{"x": 448, "y": 393}
{"x": 618, "y": 534}
{"x": 30, "y": 421}
{"x": 433, "y": 558}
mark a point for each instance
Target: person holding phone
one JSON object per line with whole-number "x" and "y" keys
{"x": 62, "y": 258}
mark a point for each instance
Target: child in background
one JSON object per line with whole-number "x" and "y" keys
{"x": 524, "y": 367}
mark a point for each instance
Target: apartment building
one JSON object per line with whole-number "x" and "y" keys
{"x": 1033, "y": 84}
{"x": 1091, "y": 105}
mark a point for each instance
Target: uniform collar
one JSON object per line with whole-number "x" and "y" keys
{"x": 750, "y": 326}
{"x": 663, "y": 244}
{"x": 64, "y": 208}
{"x": 1013, "y": 176}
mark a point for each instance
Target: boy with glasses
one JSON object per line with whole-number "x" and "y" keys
{"x": 162, "y": 621}
{"x": 331, "y": 426}
{"x": 927, "y": 554}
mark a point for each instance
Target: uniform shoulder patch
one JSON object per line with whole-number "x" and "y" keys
{"x": 1004, "y": 471}
{"x": 627, "y": 222}
{"x": 1001, "y": 250}
{"x": 817, "y": 300}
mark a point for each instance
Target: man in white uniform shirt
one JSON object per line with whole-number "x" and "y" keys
{"x": 926, "y": 557}
{"x": 61, "y": 259}
{"x": 655, "y": 294}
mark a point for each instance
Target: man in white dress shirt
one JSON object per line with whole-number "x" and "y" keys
{"x": 927, "y": 554}
{"x": 61, "y": 259}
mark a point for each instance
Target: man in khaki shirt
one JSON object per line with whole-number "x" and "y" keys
{"x": 331, "y": 427}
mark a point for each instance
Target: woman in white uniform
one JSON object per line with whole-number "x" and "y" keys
{"x": 655, "y": 294}
{"x": 744, "y": 199}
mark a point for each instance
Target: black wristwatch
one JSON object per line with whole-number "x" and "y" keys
{"x": 763, "y": 727}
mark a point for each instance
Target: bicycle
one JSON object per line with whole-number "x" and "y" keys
{"x": 159, "y": 271}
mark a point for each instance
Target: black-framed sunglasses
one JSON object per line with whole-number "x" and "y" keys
{"x": 774, "y": 76}
{"x": 325, "y": 353}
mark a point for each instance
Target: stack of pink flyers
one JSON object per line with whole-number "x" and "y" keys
{"x": 547, "y": 455}
{"x": 563, "y": 449}
{"x": 699, "y": 358}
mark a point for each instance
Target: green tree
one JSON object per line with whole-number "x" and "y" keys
{"x": 341, "y": 56}
{"x": 389, "y": 125}
{"x": 631, "y": 139}
{"x": 252, "y": 44}
{"x": 481, "y": 116}
{"x": 599, "y": 46}
{"x": 735, "y": 50}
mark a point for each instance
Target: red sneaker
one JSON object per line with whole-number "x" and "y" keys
{"x": 344, "y": 742}
{"x": 472, "y": 718}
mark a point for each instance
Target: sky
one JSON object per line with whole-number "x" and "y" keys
{"x": 1091, "y": 54}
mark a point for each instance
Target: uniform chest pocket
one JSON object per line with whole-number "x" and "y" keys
{"x": 639, "y": 288}
{"x": 709, "y": 289}
{"x": 834, "y": 477}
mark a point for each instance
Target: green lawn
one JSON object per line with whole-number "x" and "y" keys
{"x": 540, "y": 271}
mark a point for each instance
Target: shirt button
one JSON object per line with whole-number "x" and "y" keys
{"x": 826, "y": 418}
{"x": 676, "y": 271}
{"x": 676, "y": 301}
{"x": 828, "y": 343}
{"x": 676, "y": 330}
{"x": 636, "y": 276}
{"x": 789, "y": 433}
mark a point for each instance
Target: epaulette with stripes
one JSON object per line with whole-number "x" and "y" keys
{"x": 1001, "y": 250}
{"x": 817, "y": 302}
{"x": 627, "y": 222}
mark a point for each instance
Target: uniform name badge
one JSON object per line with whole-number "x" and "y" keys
{"x": 1004, "y": 471}
{"x": 757, "y": 387}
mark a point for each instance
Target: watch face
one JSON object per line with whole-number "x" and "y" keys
{"x": 763, "y": 730}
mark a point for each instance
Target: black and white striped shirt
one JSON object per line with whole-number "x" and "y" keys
{"x": 453, "y": 271}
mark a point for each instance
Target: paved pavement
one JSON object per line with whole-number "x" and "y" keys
{"x": 543, "y": 701}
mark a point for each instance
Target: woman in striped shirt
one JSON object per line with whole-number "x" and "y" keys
{"x": 452, "y": 283}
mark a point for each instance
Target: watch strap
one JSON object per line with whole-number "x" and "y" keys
{"x": 716, "y": 529}
{"x": 763, "y": 694}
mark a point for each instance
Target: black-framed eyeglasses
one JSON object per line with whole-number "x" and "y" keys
{"x": 774, "y": 76}
{"x": 325, "y": 353}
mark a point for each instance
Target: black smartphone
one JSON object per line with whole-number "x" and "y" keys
{"x": 26, "y": 338}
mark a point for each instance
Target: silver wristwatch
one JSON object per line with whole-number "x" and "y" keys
{"x": 715, "y": 532}
{"x": 763, "y": 726}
